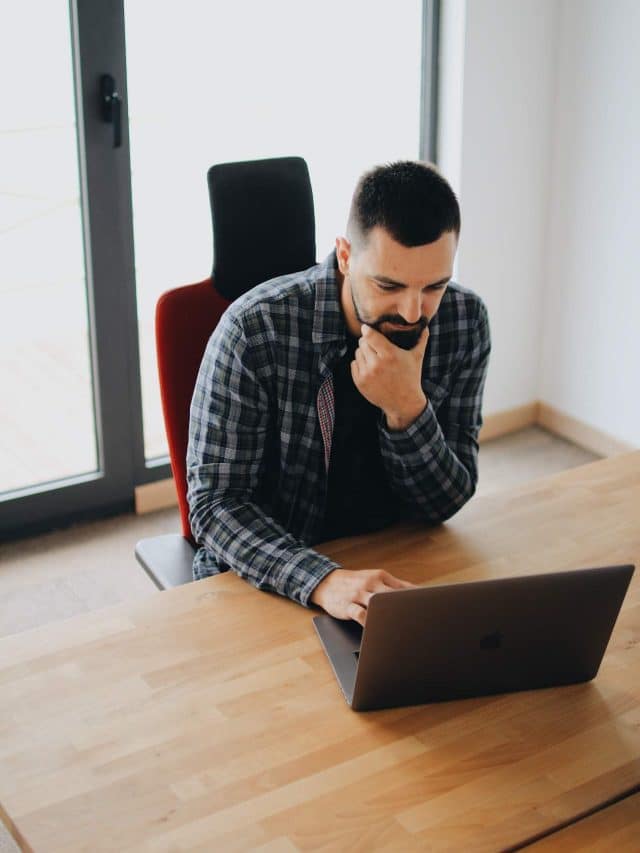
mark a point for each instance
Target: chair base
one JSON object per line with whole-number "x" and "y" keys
{"x": 168, "y": 560}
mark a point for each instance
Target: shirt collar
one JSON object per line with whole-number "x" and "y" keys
{"x": 328, "y": 320}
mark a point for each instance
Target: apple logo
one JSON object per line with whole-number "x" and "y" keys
{"x": 491, "y": 641}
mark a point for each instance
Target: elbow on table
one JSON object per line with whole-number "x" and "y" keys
{"x": 204, "y": 516}
{"x": 438, "y": 511}
{"x": 214, "y": 514}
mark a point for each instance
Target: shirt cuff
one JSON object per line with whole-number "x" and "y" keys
{"x": 423, "y": 431}
{"x": 302, "y": 574}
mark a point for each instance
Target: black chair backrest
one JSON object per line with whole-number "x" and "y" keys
{"x": 263, "y": 222}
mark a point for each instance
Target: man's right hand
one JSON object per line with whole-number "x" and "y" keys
{"x": 345, "y": 594}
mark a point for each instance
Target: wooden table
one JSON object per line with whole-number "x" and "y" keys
{"x": 207, "y": 717}
{"x": 615, "y": 828}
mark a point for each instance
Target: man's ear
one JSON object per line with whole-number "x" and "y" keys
{"x": 343, "y": 253}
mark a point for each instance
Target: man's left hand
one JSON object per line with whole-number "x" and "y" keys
{"x": 390, "y": 377}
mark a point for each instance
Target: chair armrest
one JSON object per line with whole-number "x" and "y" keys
{"x": 168, "y": 560}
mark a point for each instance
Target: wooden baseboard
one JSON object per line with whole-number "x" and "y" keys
{"x": 162, "y": 494}
{"x": 579, "y": 433}
{"x": 153, "y": 496}
{"x": 511, "y": 420}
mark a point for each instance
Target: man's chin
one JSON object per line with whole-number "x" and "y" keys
{"x": 404, "y": 340}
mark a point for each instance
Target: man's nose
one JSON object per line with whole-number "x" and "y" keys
{"x": 411, "y": 308}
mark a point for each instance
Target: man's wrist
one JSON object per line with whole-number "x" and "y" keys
{"x": 401, "y": 420}
{"x": 315, "y": 597}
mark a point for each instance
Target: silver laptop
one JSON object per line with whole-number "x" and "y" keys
{"x": 435, "y": 643}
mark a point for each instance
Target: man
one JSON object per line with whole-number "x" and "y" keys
{"x": 338, "y": 400}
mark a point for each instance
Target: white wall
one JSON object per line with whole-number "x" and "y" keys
{"x": 540, "y": 136}
{"x": 590, "y": 365}
{"x": 503, "y": 176}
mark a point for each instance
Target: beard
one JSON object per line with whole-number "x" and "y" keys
{"x": 399, "y": 337}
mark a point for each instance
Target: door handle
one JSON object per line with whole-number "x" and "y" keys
{"x": 111, "y": 107}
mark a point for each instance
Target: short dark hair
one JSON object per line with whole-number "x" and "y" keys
{"x": 410, "y": 200}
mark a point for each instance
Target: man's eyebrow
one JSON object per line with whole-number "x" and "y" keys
{"x": 383, "y": 279}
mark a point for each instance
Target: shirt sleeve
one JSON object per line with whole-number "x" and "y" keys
{"x": 433, "y": 464}
{"x": 228, "y": 433}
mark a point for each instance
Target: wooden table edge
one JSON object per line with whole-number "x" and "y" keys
{"x": 572, "y": 821}
{"x": 14, "y": 832}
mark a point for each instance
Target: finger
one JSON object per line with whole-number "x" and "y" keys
{"x": 356, "y": 612}
{"x": 378, "y": 583}
{"x": 396, "y": 583}
{"x": 365, "y": 595}
{"x": 380, "y": 589}
{"x": 375, "y": 339}
{"x": 366, "y": 352}
{"x": 421, "y": 346}
{"x": 366, "y": 342}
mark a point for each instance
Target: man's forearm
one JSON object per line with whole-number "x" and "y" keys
{"x": 402, "y": 419}
{"x": 241, "y": 536}
{"x": 432, "y": 475}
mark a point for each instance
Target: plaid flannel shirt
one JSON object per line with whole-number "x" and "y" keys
{"x": 262, "y": 417}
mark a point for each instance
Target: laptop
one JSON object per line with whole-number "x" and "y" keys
{"x": 454, "y": 641}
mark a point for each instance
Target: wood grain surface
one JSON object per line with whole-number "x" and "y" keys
{"x": 207, "y": 717}
{"x": 615, "y": 828}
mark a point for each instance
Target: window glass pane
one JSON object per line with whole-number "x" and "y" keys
{"x": 47, "y": 427}
{"x": 337, "y": 83}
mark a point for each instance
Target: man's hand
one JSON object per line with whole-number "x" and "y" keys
{"x": 345, "y": 594}
{"x": 390, "y": 377}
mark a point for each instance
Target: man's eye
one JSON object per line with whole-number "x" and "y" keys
{"x": 386, "y": 287}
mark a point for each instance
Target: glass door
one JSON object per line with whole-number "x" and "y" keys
{"x": 47, "y": 427}
{"x": 68, "y": 345}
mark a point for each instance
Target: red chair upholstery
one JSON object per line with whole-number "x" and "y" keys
{"x": 263, "y": 226}
{"x": 185, "y": 319}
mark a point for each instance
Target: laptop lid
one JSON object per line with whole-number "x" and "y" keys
{"x": 469, "y": 639}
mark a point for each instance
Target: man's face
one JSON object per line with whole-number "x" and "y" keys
{"x": 395, "y": 289}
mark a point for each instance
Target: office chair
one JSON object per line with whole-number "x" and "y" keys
{"x": 263, "y": 226}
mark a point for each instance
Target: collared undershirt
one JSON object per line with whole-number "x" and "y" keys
{"x": 359, "y": 498}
